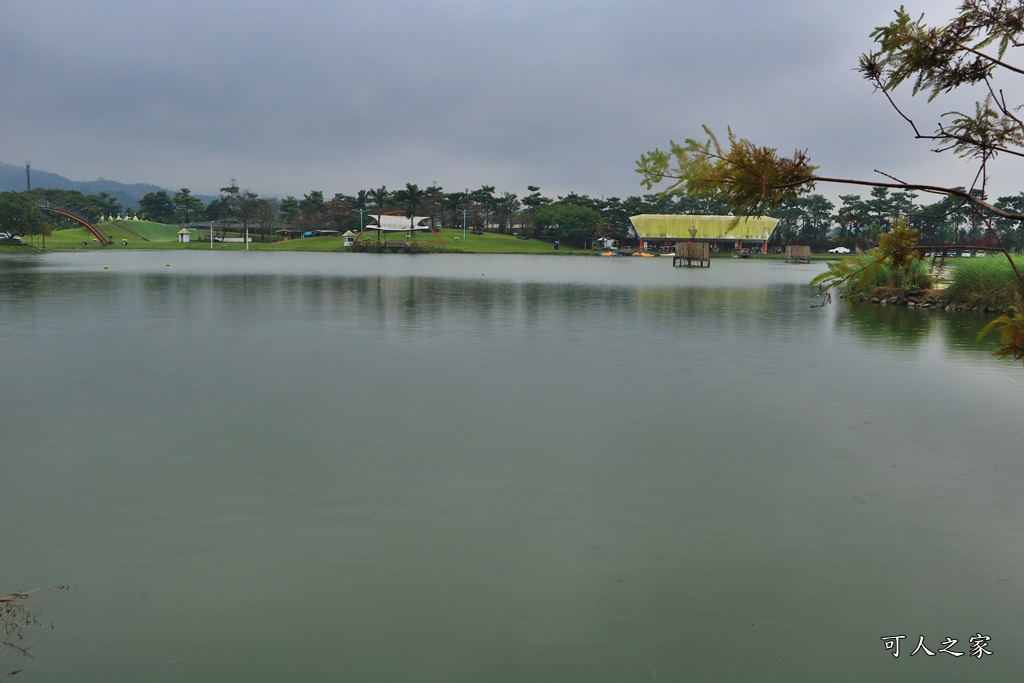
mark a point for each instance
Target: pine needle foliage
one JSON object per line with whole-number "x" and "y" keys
{"x": 895, "y": 265}
{"x": 939, "y": 59}
{"x": 1011, "y": 332}
{"x": 749, "y": 179}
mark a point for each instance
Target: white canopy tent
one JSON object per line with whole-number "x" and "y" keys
{"x": 393, "y": 223}
{"x": 387, "y": 223}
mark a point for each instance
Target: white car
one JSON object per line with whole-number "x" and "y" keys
{"x": 839, "y": 250}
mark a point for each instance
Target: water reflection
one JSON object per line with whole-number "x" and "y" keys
{"x": 524, "y": 469}
{"x": 914, "y": 328}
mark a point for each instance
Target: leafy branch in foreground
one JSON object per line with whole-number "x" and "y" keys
{"x": 745, "y": 177}
{"x": 1011, "y": 332}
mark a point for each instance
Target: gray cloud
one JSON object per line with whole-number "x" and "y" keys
{"x": 347, "y": 96}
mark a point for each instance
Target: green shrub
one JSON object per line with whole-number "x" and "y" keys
{"x": 869, "y": 275}
{"x": 893, "y": 267}
{"x": 984, "y": 281}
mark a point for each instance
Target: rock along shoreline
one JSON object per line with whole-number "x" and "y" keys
{"x": 927, "y": 299}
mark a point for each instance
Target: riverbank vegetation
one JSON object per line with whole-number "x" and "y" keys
{"x": 855, "y": 222}
{"x": 893, "y": 267}
{"x": 985, "y": 283}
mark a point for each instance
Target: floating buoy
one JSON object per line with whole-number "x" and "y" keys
{"x": 106, "y": 267}
{"x": 168, "y": 265}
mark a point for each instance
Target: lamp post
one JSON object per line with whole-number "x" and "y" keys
{"x": 361, "y": 212}
{"x": 464, "y": 212}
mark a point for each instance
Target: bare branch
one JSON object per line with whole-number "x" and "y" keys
{"x": 990, "y": 59}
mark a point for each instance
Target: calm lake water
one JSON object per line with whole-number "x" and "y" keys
{"x": 304, "y": 467}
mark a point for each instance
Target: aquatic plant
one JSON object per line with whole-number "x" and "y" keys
{"x": 16, "y": 616}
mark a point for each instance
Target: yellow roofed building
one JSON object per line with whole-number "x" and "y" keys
{"x": 723, "y": 232}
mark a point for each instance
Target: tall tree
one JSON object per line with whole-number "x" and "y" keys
{"x": 506, "y": 211}
{"x": 571, "y": 223}
{"x": 484, "y": 202}
{"x": 248, "y": 205}
{"x": 230, "y": 196}
{"x": 380, "y": 198}
{"x": 268, "y": 213}
{"x": 157, "y": 206}
{"x": 289, "y": 209}
{"x": 815, "y": 219}
{"x": 1011, "y": 231}
{"x": 224, "y": 207}
{"x": 104, "y": 205}
{"x": 410, "y": 199}
{"x": 433, "y": 204}
{"x": 337, "y": 213}
{"x": 186, "y": 206}
{"x": 19, "y": 216}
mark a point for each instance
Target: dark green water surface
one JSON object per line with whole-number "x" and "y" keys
{"x": 303, "y": 467}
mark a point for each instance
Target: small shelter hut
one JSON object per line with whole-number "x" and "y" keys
{"x": 184, "y": 236}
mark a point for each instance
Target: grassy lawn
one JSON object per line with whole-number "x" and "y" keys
{"x": 135, "y": 233}
{"x": 146, "y": 235}
{"x": 449, "y": 240}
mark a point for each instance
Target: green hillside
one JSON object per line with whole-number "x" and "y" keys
{"x": 147, "y": 230}
{"x": 136, "y": 233}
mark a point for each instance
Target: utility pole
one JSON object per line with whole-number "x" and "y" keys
{"x": 28, "y": 175}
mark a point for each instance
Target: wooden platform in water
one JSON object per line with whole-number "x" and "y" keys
{"x": 693, "y": 254}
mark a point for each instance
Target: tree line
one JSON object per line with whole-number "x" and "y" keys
{"x": 810, "y": 219}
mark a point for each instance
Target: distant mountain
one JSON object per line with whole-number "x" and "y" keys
{"x": 12, "y": 179}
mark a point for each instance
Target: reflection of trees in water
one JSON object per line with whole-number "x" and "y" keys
{"x": 911, "y": 327}
{"x": 422, "y": 304}
{"x": 432, "y": 307}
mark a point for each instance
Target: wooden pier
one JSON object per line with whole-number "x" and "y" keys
{"x": 692, "y": 254}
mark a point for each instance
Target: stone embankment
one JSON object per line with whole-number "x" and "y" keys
{"x": 928, "y": 299}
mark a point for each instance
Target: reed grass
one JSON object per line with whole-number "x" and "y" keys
{"x": 986, "y": 281}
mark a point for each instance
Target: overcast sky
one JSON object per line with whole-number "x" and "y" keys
{"x": 341, "y": 96}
